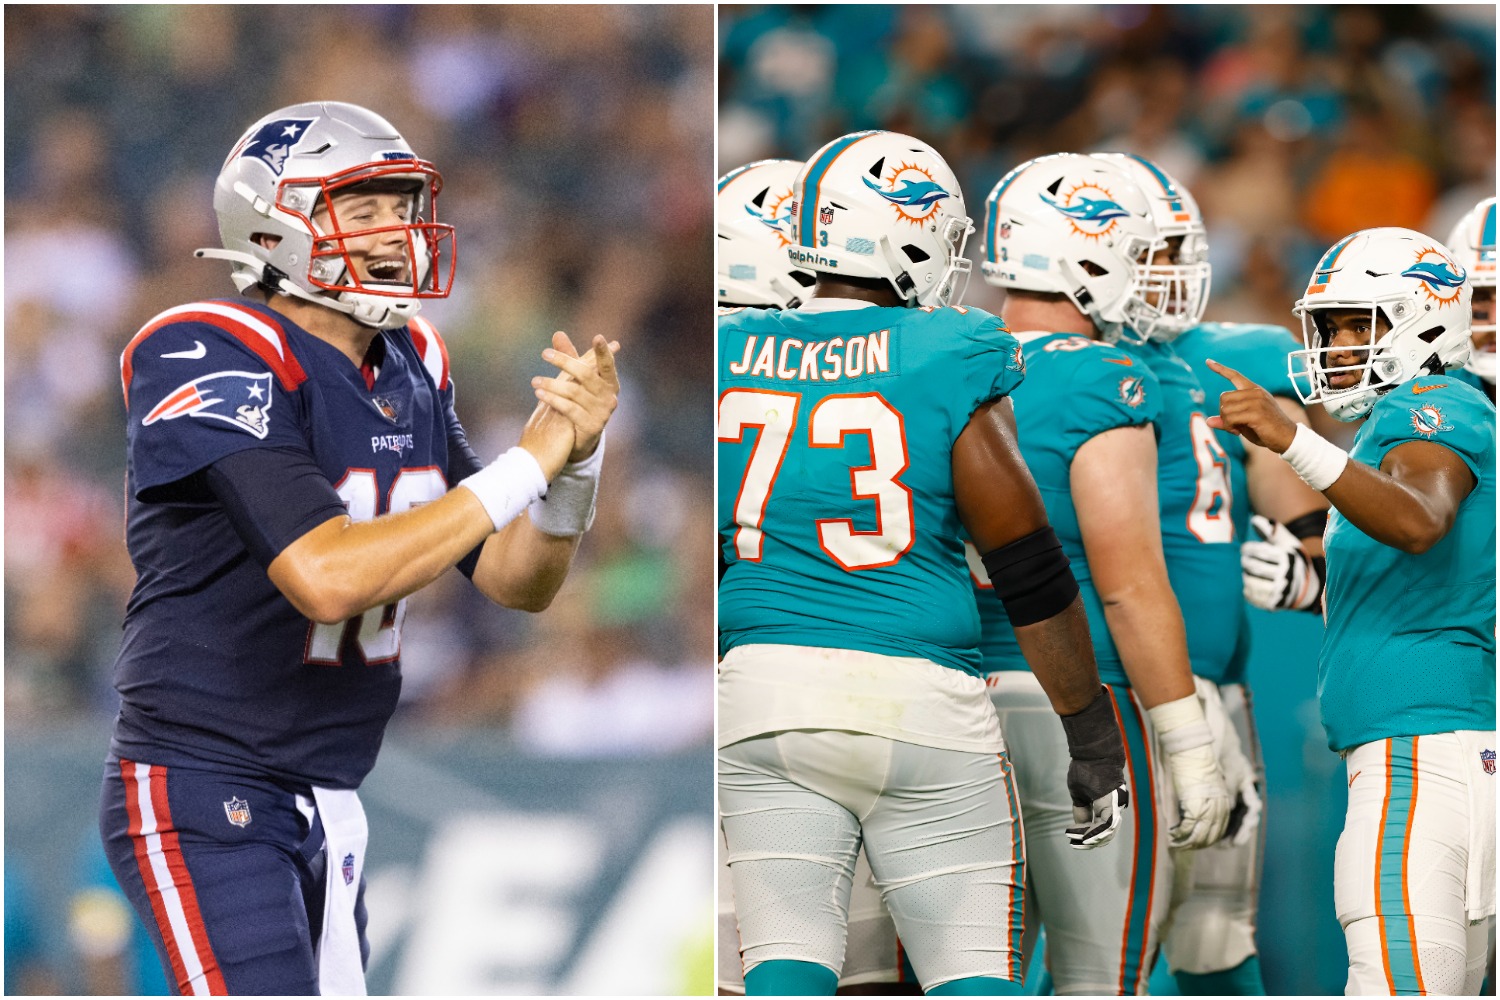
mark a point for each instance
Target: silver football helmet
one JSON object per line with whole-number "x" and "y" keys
{"x": 292, "y": 163}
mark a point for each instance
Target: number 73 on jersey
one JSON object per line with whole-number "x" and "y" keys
{"x": 773, "y": 418}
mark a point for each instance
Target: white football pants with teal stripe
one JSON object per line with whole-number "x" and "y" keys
{"x": 941, "y": 828}
{"x": 1414, "y": 875}
{"x": 1103, "y": 908}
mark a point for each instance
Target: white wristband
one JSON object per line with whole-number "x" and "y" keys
{"x": 1180, "y": 725}
{"x": 567, "y": 508}
{"x": 508, "y": 485}
{"x": 1316, "y": 459}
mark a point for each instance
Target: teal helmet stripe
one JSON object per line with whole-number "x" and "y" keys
{"x": 1162, "y": 179}
{"x": 1487, "y": 231}
{"x": 994, "y": 207}
{"x": 807, "y": 207}
{"x": 1326, "y": 264}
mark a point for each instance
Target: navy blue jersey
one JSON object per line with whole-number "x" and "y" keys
{"x": 217, "y": 667}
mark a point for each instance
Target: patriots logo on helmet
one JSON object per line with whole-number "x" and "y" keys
{"x": 915, "y": 198}
{"x": 1132, "y": 391}
{"x": 1428, "y": 420}
{"x": 238, "y": 811}
{"x": 348, "y": 869}
{"x": 1441, "y": 278}
{"x": 1487, "y": 759}
{"x": 241, "y": 399}
{"x": 274, "y": 141}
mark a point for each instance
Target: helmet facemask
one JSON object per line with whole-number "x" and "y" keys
{"x": 1164, "y": 301}
{"x": 429, "y": 260}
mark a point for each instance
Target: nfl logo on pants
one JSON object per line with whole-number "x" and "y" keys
{"x": 238, "y": 811}
{"x": 1487, "y": 758}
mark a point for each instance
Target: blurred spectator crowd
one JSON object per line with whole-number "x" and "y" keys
{"x": 1293, "y": 125}
{"x": 575, "y": 144}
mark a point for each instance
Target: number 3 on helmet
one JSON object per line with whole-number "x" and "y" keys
{"x": 886, "y": 206}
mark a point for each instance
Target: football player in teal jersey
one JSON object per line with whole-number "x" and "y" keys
{"x": 858, "y": 436}
{"x": 1210, "y": 948}
{"x": 1063, "y": 237}
{"x": 1473, "y": 243}
{"x": 1406, "y": 674}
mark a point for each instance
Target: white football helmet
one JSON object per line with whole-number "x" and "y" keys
{"x": 883, "y": 205}
{"x": 753, "y": 218}
{"x": 1168, "y": 299}
{"x": 1473, "y": 243}
{"x": 292, "y": 162}
{"x": 1075, "y": 225}
{"x": 1411, "y": 282}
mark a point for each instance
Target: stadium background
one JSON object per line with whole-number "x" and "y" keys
{"x": 541, "y": 814}
{"x": 1293, "y": 126}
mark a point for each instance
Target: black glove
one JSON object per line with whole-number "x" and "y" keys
{"x": 1096, "y": 775}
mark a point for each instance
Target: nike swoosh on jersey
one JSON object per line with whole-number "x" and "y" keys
{"x": 1119, "y": 361}
{"x": 1419, "y": 389}
{"x": 192, "y": 355}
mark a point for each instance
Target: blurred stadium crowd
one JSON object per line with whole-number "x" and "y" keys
{"x": 566, "y": 138}
{"x": 1293, "y": 126}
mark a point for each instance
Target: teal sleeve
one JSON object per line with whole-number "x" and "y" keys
{"x": 993, "y": 364}
{"x": 1108, "y": 390}
{"x": 1438, "y": 409}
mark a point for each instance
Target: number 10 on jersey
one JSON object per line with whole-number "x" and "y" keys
{"x": 773, "y": 415}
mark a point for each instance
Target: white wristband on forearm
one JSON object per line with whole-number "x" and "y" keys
{"x": 1315, "y": 458}
{"x": 567, "y": 508}
{"x": 508, "y": 485}
{"x": 1180, "y": 725}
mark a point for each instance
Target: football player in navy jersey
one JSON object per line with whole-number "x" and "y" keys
{"x": 295, "y": 470}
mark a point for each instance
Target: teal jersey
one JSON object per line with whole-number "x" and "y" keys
{"x": 837, "y": 517}
{"x": 1197, "y": 527}
{"x": 1075, "y": 389}
{"x": 1410, "y": 643}
{"x": 1259, "y": 352}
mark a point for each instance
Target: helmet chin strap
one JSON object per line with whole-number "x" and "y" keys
{"x": 368, "y": 310}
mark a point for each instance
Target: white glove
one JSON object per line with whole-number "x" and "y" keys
{"x": 1277, "y": 572}
{"x": 1203, "y": 799}
{"x": 1239, "y": 775}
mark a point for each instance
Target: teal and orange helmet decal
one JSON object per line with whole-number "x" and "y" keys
{"x": 1486, "y": 243}
{"x": 808, "y": 187}
{"x": 1090, "y": 209}
{"x": 912, "y": 193}
{"x": 990, "y": 234}
{"x": 1326, "y": 266}
{"x": 1442, "y": 279}
{"x": 1179, "y": 211}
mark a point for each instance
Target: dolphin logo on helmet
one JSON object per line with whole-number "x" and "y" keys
{"x": 1089, "y": 209}
{"x": 920, "y": 195}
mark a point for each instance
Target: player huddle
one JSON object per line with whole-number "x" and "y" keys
{"x": 983, "y": 602}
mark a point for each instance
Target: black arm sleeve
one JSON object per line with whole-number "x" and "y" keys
{"x": 273, "y": 497}
{"x": 462, "y": 463}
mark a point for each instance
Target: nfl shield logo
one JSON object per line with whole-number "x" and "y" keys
{"x": 1487, "y": 758}
{"x": 825, "y": 215}
{"x": 238, "y": 811}
{"x": 348, "y": 868}
{"x": 1005, "y": 230}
